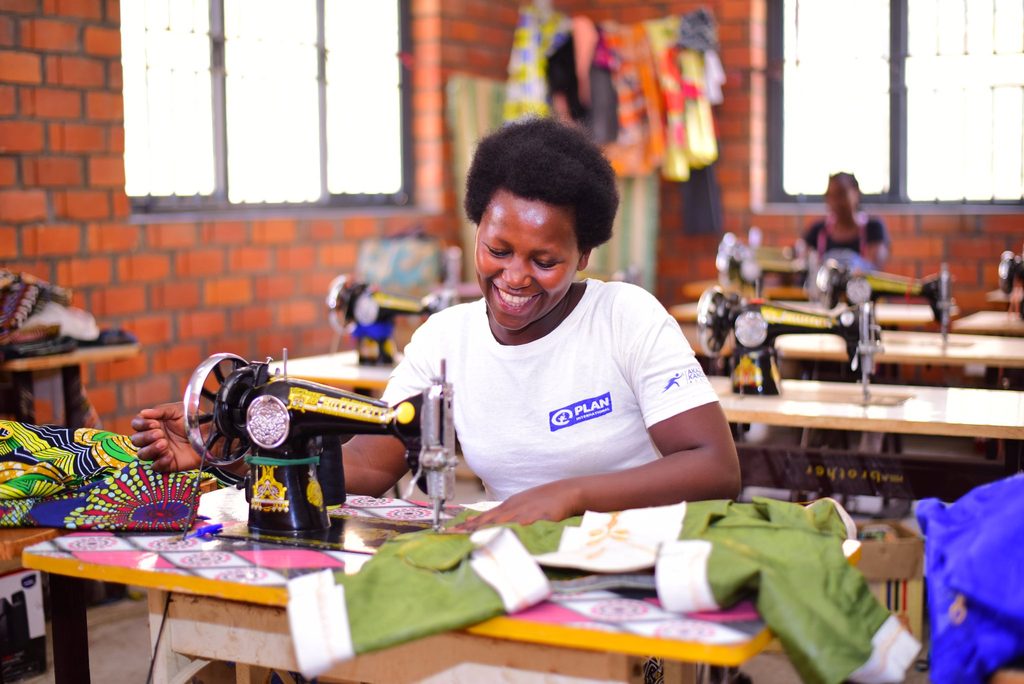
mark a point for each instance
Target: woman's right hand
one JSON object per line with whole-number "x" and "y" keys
{"x": 160, "y": 437}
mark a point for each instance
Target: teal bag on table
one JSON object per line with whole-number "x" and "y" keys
{"x": 407, "y": 265}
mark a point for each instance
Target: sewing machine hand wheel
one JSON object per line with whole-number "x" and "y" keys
{"x": 339, "y": 297}
{"x": 207, "y": 422}
{"x": 713, "y": 320}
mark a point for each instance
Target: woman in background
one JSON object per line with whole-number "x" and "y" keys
{"x": 847, "y": 234}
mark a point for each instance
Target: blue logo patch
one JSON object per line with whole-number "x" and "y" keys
{"x": 586, "y": 409}
{"x": 693, "y": 374}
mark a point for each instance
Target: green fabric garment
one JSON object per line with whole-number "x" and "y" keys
{"x": 789, "y": 558}
{"x": 397, "y": 596}
{"x": 786, "y": 557}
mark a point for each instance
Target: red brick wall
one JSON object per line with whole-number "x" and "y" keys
{"x": 189, "y": 289}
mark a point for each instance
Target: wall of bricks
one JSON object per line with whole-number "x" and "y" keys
{"x": 192, "y": 288}
{"x": 188, "y": 289}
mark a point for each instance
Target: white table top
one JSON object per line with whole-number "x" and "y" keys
{"x": 912, "y": 348}
{"x": 340, "y": 369}
{"x": 990, "y": 323}
{"x": 952, "y": 411}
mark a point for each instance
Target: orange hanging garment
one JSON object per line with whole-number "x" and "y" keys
{"x": 662, "y": 34}
{"x": 701, "y": 145}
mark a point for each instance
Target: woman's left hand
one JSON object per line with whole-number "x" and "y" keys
{"x": 555, "y": 501}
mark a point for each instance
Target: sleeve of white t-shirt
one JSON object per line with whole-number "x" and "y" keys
{"x": 665, "y": 374}
{"x": 419, "y": 363}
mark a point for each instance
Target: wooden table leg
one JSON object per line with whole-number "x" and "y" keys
{"x": 70, "y": 630}
{"x": 25, "y": 401}
{"x": 71, "y": 388}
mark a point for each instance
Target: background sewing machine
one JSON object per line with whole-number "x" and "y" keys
{"x": 755, "y": 325}
{"x": 290, "y": 431}
{"x": 835, "y": 282}
{"x": 1011, "y": 274}
{"x": 368, "y": 311}
{"x": 744, "y": 266}
{"x": 369, "y": 315}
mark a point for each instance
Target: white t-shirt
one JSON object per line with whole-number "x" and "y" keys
{"x": 576, "y": 402}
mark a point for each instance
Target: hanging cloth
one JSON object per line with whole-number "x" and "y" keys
{"x": 526, "y": 91}
{"x": 662, "y": 34}
{"x": 701, "y": 145}
{"x": 640, "y": 143}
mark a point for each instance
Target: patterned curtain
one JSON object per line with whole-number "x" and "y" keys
{"x": 474, "y": 110}
{"x": 631, "y": 251}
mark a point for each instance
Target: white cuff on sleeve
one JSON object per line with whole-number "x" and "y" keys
{"x": 681, "y": 576}
{"x": 893, "y": 649}
{"x": 318, "y": 620}
{"x": 502, "y": 561}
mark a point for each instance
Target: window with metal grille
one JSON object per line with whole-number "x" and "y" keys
{"x": 922, "y": 99}
{"x": 265, "y": 103}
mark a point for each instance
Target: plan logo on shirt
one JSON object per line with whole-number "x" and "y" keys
{"x": 587, "y": 409}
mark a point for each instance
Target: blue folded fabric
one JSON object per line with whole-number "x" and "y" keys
{"x": 974, "y": 569}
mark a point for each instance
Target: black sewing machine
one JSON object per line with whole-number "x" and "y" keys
{"x": 742, "y": 265}
{"x": 1011, "y": 273}
{"x": 756, "y": 324}
{"x": 371, "y": 314}
{"x": 289, "y": 431}
{"x": 835, "y": 282}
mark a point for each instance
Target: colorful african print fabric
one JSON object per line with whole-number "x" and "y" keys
{"x": 85, "y": 479}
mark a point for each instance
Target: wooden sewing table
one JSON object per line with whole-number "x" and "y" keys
{"x": 340, "y": 369}
{"x": 990, "y": 323}
{"x": 225, "y": 601}
{"x": 24, "y": 372}
{"x": 898, "y": 409}
{"x": 912, "y": 348}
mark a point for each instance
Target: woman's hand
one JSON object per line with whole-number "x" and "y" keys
{"x": 555, "y": 501}
{"x": 160, "y": 437}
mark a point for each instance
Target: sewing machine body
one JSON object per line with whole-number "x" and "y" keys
{"x": 371, "y": 314}
{"x": 1011, "y": 274}
{"x": 835, "y": 282}
{"x": 289, "y": 431}
{"x": 740, "y": 264}
{"x": 756, "y": 324}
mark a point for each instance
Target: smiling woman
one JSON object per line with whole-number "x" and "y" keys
{"x": 571, "y": 395}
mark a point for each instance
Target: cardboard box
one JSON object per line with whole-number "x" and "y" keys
{"x": 22, "y": 625}
{"x": 894, "y": 569}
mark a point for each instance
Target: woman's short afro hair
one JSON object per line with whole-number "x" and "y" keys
{"x": 542, "y": 159}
